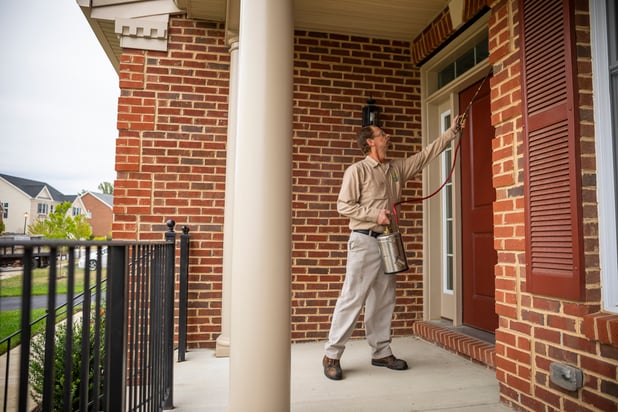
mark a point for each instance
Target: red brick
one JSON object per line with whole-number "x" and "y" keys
{"x": 576, "y": 342}
{"x": 508, "y": 311}
{"x": 542, "y": 303}
{"x": 600, "y": 402}
{"x": 561, "y": 322}
{"x": 518, "y": 355}
{"x": 599, "y": 366}
{"x": 547, "y": 397}
{"x": 517, "y": 383}
{"x": 506, "y": 337}
{"x": 548, "y": 335}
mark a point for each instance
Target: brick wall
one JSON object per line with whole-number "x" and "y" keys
{"x": 170, "y": 156}
{"x": 101, "y": 220}
{"x": 333, "y": 77}
{"x": 535, "y": 330}
{"x": 171, "y": 159}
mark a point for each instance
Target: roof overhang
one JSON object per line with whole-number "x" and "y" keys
{"x": 143, "y": 23}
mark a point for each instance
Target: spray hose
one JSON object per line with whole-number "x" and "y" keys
{"x": 460, "y": 122}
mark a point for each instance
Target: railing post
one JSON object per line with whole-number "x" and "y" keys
{"x": 26, "y": 293}
{"x": 68, "y": 342}
{"x": 85, "y": 338}
{"x": 183, "y": 293}
{"x": 170, "y": 239}
{"x": 116, "y": 329}
{"x": 50, "y": 334}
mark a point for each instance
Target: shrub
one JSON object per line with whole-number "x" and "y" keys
{"x": 38, "y": 373}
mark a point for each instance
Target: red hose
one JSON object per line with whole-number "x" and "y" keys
{"x": 420, "y": 199}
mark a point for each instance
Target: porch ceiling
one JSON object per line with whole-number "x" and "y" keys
{"x": 392, "y": 19}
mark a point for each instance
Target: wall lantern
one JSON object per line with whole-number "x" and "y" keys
{"x": 370, "y": 113}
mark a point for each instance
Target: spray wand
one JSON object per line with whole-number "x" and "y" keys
{"x": 460, "y": 123}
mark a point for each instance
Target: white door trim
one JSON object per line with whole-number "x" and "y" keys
{"x": 434, "y": 103}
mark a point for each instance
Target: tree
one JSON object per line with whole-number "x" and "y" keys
{"x": 1, "y": 218}
{"x": 59, "y": 225}
{"x": 106, "y": 188}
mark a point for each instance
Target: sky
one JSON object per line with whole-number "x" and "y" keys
{"x": 58, "y": 97}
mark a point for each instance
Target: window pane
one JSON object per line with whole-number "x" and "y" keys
{"x": 464, "y": 63}
{"x": 482, "y": 51}
{"x": 449, "y": 238}
{"x": 448, "y": 192}
{"x": 449, "y": 271}
{"x": 447, "y": 75}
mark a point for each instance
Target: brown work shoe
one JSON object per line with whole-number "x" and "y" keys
{"x": 332, "y": 368}
{"x": 391, "y": 362}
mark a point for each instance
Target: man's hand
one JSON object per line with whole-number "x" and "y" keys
{"x": 384, "y": 217}
{"x": 458, "y": 123}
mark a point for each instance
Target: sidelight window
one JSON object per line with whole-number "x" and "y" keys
{"x": 447, "y": 213}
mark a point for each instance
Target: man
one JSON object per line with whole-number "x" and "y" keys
{"x": 369, "y": 190}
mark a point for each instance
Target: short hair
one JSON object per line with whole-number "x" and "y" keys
{"x": 364, "y": 134}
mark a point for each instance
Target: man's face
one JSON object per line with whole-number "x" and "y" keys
{"x": 379, "y": 141}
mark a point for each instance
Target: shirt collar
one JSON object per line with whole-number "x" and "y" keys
{"x": 374, "y": 163}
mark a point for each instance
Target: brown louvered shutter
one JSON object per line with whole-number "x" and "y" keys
{"x": 554, "y": 248}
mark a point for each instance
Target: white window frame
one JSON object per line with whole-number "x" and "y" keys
{"x": 604, "y": 153}
{"x": 446, "y": 222}
{"x": 42, "y": 208}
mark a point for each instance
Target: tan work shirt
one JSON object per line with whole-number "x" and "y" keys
{"x": 370, "y": 186}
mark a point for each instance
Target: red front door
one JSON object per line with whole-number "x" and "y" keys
{"x": 477, "y": 196}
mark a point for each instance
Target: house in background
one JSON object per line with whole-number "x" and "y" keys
{"x": 25, "y": 201}
{"x": 237, "y": 118}
{"x": 99, "y": 207}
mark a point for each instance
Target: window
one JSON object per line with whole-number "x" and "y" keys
{"x": 76, "y": 211}
{"x": 447, "y": 213}
{"x": 604, "y": 39}
{"x": 5, "y": 210}
{"x": 468, "y": 60}
{"x": 42, "y": 208}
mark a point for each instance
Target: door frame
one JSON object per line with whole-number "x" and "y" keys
{"x": 433, "y": 104}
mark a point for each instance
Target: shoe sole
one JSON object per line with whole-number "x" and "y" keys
{"x": 383, "y": 365}
{"x": 333, "y": 378}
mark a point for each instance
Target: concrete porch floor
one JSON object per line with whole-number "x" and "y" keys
{"x": 438, "y": 380}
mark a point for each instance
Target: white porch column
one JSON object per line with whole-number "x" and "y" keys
{"x": 223, "y": 340}
{"x": 260, "y": 313}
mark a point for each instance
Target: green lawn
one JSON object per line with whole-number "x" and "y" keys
{"x": 10, "y": 322}
{"x": 40, "y": 282}
{"x": 12, "y": 286}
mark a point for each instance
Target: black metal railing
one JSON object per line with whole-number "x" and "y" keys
{"x": 110, "y": 345}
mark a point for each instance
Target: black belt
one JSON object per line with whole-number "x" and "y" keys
{"x": 368, "y": 232}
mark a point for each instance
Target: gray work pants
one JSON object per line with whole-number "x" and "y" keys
{"x": 365, "y": 283}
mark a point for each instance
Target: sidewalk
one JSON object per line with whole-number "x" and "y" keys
{"x": 37, "y": 302}
{"x": 437, "y": 380}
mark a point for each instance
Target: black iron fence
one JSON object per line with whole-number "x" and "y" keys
{"x": 105, "y": 339}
